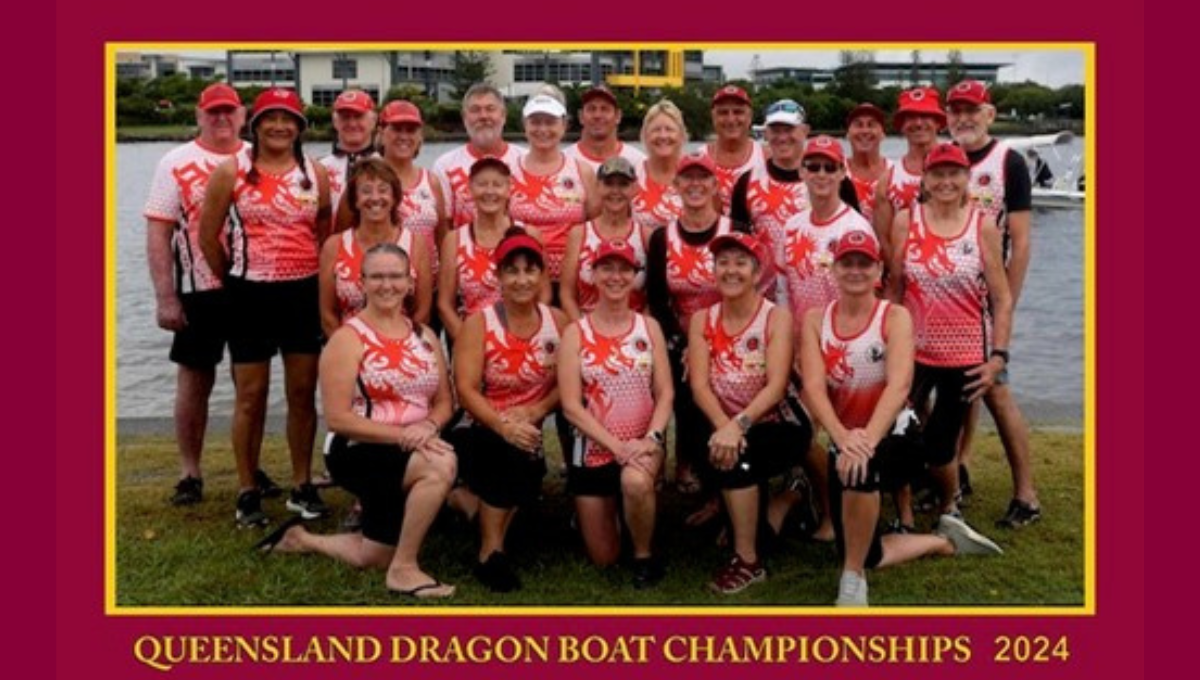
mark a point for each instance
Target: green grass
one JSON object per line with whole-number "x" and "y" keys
{"x": 169, "y": 556}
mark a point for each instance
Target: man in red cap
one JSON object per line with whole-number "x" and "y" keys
{"x": 600, "y": 118}
{"x": 918, "y": 117}
{"x": 354, "y": 122}
{"x": 865, "y": 130}
{"x": 734, "y": 152}
{"x": 190, "y": 298}
{"x": 1001, "y": 186}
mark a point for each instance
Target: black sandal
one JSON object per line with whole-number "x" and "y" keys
{"x": 268, "y": 542}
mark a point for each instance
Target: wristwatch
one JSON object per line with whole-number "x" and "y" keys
{"x": 743, "y": 421}
{"x": 1002, "y": 353}
{"x": 657, "y": 437}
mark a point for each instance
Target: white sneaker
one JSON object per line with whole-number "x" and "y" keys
{"x": 852, "y": 591}
{"x": 966, "y": 540}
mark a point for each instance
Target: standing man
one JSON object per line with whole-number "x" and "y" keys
{"x": 354, "y": 122}
{"x": 483, "y": 114}
{"x": 600, "y": 118}
{"x": 865, "y": 132}
{"x": 190, "y": 298}
{"x": 734, "y": 152}
{"x": 1000, "y": 185}
{"x": 918, "y": 117}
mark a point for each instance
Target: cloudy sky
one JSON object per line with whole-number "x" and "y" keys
{"x": 1053, "y": 68}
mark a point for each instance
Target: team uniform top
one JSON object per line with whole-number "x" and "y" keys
{"x": 418, "y": 214}
{"x": 903, "y": 186}
{"x": 865, "y": 188}
{"x": 855, "y": 365}
{"x": 770, "y": 203}
{"x": 347, "y": 271}
{"x": 738, "y": 361}
{"x": 690, "y": 279}
{"x": 397, "y": 378}
{"x": 625, "y": 151}
{"x": 618, "y": 381}
{"x": 945, "y": 291}
{"x": 273, "y": 224}
{"x": 727, "y": 176}
{"x": 339, "y": 164}
{"x": 588, "y": 295}
{"x": 177, "y": 195}
{"x": 654, "y": 204}
{"x": 808, "y": 265}
{"x": 452, "y": 169}
{"x": 551, "y": 203}
{"x": 518, "y": 371}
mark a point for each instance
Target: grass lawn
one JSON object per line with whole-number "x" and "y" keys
{"x": 169, "y": 556}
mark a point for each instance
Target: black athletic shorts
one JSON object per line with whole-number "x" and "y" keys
{"x": 944, "y": 423}
{"x": 496, "y": 471}
{"x": 201, "y": 343}
{"x": 772, "y": 448}
{"x": 601, "y": 480}
{"x": 266, "y": 318}
{"x": 375, "y": 474}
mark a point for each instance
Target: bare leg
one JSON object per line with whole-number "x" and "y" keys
{"x": 193, "y": 386}
{"x": 351, "y": 549}
{"x": 816, "y": 465}
{"x": 426, "y": 483}
{"x": 743, "y": 514}
{"x": 493, "y": 526}
{"x": 903, "y": 497}
{"x": 779, "y": 507}
{"x": 967, "y": 437}
{"x": 860, "y": 514}
{"x": 901, "y": 548}
{"x": 637, "y": 489}
{"x": 461, "y": 500}
{"x": 946, "y": 478}
{"x": 1015, "y": 436}
{"x": 300, "y": 383}
{"x": 249, "y": 418}
{"x": 598, "y": 526}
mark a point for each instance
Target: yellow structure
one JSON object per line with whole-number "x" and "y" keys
{"x": 673, "y": 77}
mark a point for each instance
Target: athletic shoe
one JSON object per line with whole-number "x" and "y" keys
{"x": 305, "y": 500}
{"x": 249, "y": 510}
{"x": 1019, "y": 514}
{"x": 966, "y": 540}
{"x": 266, "y": 486}
{"x": 647, "y": 572}
{"x": 189, "y": 491}
{"x": 852, "y": 591}
{"x": 497, "y": 574}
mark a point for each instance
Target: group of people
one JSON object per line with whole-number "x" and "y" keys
{"x": 755, "y": 295}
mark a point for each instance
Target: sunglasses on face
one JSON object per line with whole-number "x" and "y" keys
{"x": 828, "y": 167}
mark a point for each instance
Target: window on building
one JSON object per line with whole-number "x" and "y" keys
{"x": 345, "y": 68}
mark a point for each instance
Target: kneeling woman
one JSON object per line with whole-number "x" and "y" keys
{"x": 386, "y": 398}
{"x": 739, "y": 362}
{"x": 856, "y": 356}
{"x": 504, "y": 370}
{"x": 616, "y": 390}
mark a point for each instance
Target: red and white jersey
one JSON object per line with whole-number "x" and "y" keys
{"x": 946, "y": 293}
{"x": 625, "y": 151}
{"x": 552, "y": 204}
{"x": 903, "y": 186}
{"x": 808, "y": 265}
{"x": 586, "y": 294}
{"x": 478, "y": 286}
{"x": 738, "y": 361}
{"x": 397, "y": 378}
{"x": 176, "y": 196}
{"x": 418, "y": 214}
{"x": 728, "y": 176}
{"x": 618, "y": 385}
{"x": 518, "y": 371}
{"x": 453, "y": 169}
{"x": 855, "y": 365}
{"x": 865, "y": 188}
{"x": 690, "y": 279}
{"x": 655, "y": 205}
{"x": 273, "y": 224}
{"x": 771, "y": 204}
{"x": 338, "y": 167}
{"x": 347, "y": 272}
{"x": 987, "y": 184}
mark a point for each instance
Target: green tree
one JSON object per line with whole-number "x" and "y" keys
{"x": 469, "y": 68}
{"x": 855, "y": 77}
{"x": 954, "y": 68}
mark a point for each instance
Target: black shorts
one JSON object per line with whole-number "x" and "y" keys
{"x": 601, "y": 480}
{"x": 375, "y": 474}
{"x": 772, "y": 448}
{"x": 944, "y": 423}
{"x": 898, "y": 460}
{"x": 268, "y": 317}
{"x": 499, "y": 473}
{"x": 201, "y": 343}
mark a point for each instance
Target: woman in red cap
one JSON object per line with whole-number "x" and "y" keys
{"x": 950, "y": 275}
{"x": 467, "y": 280}
{"x": 616, "y": 390}
{"x": 856, "y": 354}
{"x": 504, "y": 371}
{"x": 386, "y": 397}
{"x": 579, "y": 293}
{"x": 739, "y": 364}
{"x": 657, "y": 202}
{"x": 918, "y": 117}
{"x": 279, "y": 200}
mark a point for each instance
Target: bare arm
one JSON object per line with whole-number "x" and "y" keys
{"x": 468, "y": 380}
{"x": 591, "y": 197}
{"x": 567, "y": 293}
{"x": 331, "y": 318}
{"x": 443, "y": 213}
{"x": 324, "y": 225}
{"x": 899, "y": 237}
{"x": 168, "y": 308}
{"x": 448, "y": 287}
{"x": 1001, "y": 303}
{"x": 570, "y": 388}
{"x": 343, "y": 219}
{"x": 883, "y": 216}
{"x": 217, "y": 198}
{"x": 663, "y": 386}
{"x": 900, "y": 358}
{"x": 1019, "y": 232}
{"x": 779, "y": 365}
{"x": 699, "y": 363}
{"x": 812, "y": 370}
{"x": 423, "y": 301}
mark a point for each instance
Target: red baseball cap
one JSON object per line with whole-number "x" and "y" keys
{"x": 354, "y": 100}
{"x": 731, "y": 92}
{"x": 947, "y": 154}
{"x": 400, "y": 111}
{"x": 218, "y": 94}
{"x": 919, "y": 101}
{"x": 619, "y": 249}
{"x": 511, "y": 244}
{"x": 600, "y": 91}
{"x": 824, "y": 145}
{"x": 695, "y": 160}
{"x": 867, "y": 109}
{"x": 278, "y": 98}
{"x": 857, "y": 241}
{"x": 970, "y": 91}
{"x": 747, "y": 242}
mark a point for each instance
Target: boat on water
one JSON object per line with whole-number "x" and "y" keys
{"x": 1067, "y": 190}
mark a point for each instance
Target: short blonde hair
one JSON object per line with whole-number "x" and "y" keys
{"x": 664, "y": 107}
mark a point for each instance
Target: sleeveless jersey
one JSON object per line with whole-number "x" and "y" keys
{"x": 903, "y": 186}
{"x": 738, "y": 362}
{"x": 987, "y": 184}
{"x": 397, "y": 379}
{"x": 347, "y": 272}
{"x": 945, "y": 290}
{"x": 418, "y": 214}
{"x": 273, "y": 224}
{"x": 478, "y": 286}
{"x": 865, "y": 188}
{"x": 855, "y": 365}
{"x": 618, "y": 385}
{"x": 772, "y": 203}
{"x": 655, "y": 205}
{"x": 338, "y": 167}
{"x": 808, "y": 262}
{"x": 518, "y": 371}
{"x": 690, "y": 280}
{"x": 177, "y": 195}
{"x": 587, "y": 294}
{"x": 453, "y": 168}
{"x": 552, "y": 204}
{"x": 728, "y": 176}
{"x": 625, "y": 151}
